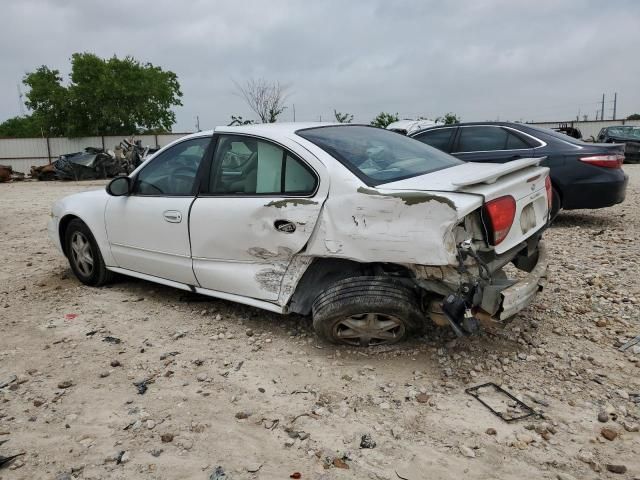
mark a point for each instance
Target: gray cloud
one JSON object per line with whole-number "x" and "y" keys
{"x": 483, "y": 60}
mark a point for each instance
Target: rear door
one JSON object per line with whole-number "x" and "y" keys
{"x": 490, "y": 144}
{"x": 259, "y": 207}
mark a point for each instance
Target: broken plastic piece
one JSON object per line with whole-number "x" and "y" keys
{"x": 526, "y": 409}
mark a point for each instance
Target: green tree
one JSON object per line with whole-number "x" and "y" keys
{"x": 449, "y": 119}
{"x": 343, "y": 117}
{"x": 104, "y": 97}
{"x": 20, "y": 127}
{"x": 635, "y": 116}
{"x": 383, "y": 119}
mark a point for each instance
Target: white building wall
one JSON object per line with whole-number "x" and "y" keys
{"x": 23, "y": 153}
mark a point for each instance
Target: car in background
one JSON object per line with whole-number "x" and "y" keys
{"x": 583, "y": 175}
{"x": 407, "y": 127}
{"x": 627, "y": 134}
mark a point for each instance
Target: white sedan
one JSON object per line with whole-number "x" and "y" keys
{"x": 370, "y": 232}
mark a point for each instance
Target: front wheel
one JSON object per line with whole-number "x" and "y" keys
{"x": 367, "y": 311}
{"x": 84, "y": 255}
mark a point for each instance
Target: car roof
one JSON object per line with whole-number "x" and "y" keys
{"x": 278, "y": 128}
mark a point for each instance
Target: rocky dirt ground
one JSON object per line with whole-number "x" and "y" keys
{"x": 234, "y": 392}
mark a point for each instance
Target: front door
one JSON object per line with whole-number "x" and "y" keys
{"x": 148, "y": 230}
{"x": 258, "y": 210}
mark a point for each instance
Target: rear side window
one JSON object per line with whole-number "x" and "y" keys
{"x": 249, "y": 166}
{"x": 482, "y": 139}
{"x": 375, "y": 155}
{"x": 438, "y": 138}
{"x": 514, "y": 142}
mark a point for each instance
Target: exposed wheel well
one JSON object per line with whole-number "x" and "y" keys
{"x": 62, "y": 228}
{"x": 324, "y": 272}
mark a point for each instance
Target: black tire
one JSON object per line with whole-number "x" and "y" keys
{"x": 355, "y": 301}
{"x": 556, "y": 204}
{"x": 95, "y": 276}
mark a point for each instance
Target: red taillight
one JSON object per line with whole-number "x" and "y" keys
{"x": 501, "y": 213}
{"x": 606, "y": 161}
{"x": 549, "y": 189}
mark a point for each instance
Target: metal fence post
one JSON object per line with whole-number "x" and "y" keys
{"x": 48, "y": 150}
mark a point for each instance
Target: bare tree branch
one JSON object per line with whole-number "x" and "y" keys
{"x": 265, "y": 98}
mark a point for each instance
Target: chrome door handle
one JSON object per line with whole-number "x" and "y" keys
{"x": 172, "y": 216}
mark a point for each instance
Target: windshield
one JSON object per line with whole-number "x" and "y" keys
{"x": 629, "y": 132}
{"x": 378, "y": 156}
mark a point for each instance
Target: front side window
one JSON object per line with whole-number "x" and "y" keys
{"x": 172, "y": 172}
{"x": 249, "y": 166}
{"x": 438, "y": 138}
{"x": 376, "y": 155}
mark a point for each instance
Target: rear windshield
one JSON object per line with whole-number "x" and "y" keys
{"x": 629, "y": 132}
{"x": 378, "y": 156}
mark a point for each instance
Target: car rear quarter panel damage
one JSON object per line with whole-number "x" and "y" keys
{"x": 370, "y": 225}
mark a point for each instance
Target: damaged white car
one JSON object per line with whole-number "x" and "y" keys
{"x": 370, "y": 232}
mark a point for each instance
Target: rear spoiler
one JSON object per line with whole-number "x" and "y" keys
{"x": 491, "y": 175}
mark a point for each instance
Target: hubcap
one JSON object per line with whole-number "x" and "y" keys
{"x": 81, "y": 253}
{"x": 369, "y": 329}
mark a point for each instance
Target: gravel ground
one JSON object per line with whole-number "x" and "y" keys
{"x": 257, "y": 395}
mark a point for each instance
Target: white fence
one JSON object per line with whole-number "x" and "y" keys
{"x": 22, "y": 153}
{"x": 590, "y": 128}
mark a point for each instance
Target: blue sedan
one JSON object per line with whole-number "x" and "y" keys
{"x": 584, "y": 175}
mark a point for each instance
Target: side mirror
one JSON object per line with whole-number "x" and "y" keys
{"x": 119, "y": 186}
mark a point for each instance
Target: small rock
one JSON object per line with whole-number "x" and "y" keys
{"x": 629, "y": 427}
{"x": 166, "y": 437}
{"x": 609, "y": 433}
{"x": 65, "y": 384}
{"x": 422, "y": 398}
{"x": 156, "y": 452}
{"x": 603, "y": 416}
{"x": 620, "y": 469}
{"x": 242, "y": 415}
{"x": 367, "y": 442}
{"x": 491, "y": 431}
{"x": 340, "y": 463}
{"x": 201, "y": 377}
{"x": 565, "y": 476}
{"x": 467, "y": 452}
{"x": 115, "y": 363}
{"x": 126, "y": 456}
{"x": 249, "y": 333}
{"x": 104, "y": 374}
{"x": 218, "y": 474}
{"x": 150, "y": 424}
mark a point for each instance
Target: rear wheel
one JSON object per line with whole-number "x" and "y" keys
{"x": 367, "y": 311}
{"x": 84, "y": 255}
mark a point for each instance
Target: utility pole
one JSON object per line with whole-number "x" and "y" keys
{"x": 20, "y": 100}
{"x": 294, "y": 112}
{"x": 602, "y": 111}
{"x": 197, "y": 123}
{"x": 615, "y": 101}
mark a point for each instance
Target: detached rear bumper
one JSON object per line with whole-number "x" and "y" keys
{"x": 502, "y": 301}
{"x": 519, "y": 295}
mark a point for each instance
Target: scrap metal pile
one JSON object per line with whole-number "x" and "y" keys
{"x": 94, "y": 163}
{"x": 7, "y": 174}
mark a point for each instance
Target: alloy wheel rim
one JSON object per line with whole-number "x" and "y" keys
{"x": 81, "y": 253}
{"x": 369, "y": 329}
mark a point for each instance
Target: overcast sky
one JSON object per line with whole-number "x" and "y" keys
{"x": 484, "y": 60}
